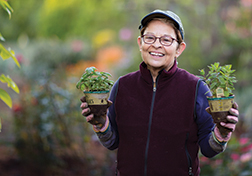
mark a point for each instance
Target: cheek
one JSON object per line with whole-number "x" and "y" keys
{"x": 171, "y": 51}
{"x": 145, "y": 48}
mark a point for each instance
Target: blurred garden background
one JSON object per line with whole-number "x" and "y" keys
{"x": 54, "y": 41}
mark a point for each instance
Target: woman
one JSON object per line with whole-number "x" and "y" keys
{"x": 158, "y": 119}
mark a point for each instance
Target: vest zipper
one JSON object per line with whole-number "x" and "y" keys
{"x": 149, "y": 127}
{"x": 189, "y": 159}
{"x": 154, "y": 87}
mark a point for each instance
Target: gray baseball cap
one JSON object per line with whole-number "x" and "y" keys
{"x": 163, "y": 14}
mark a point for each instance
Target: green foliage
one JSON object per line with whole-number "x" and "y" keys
{"x": 92, "y": 80}
{"x": 6, "y": 7}
{"x": 48, "y": 126}
{"x": 5, "y": 97}
{"x": 10, "y": 82}
{"x": 45, "y": 128}
{"x": 3, "y": 94}
{"x": 6, "y": 54}
{"x": 80, "y": 18}
{"x": 223, "y": 33}
{"x": 219, "y": 77}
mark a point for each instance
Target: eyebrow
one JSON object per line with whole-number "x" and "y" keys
{"x": 151, "y": 33}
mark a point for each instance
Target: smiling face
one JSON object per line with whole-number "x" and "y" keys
{"x": 156, "y": 56}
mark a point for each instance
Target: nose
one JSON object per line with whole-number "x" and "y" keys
{"x": 157, "y": 43}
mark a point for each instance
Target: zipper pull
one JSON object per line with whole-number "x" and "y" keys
{"x": 154, "y": 87}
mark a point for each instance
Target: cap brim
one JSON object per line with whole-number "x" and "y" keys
{"x": 152, "y": 15}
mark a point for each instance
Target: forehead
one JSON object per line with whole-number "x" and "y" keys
{"x": 160, "y": 27}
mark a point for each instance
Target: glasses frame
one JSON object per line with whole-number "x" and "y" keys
{"x": 155, "y": 38}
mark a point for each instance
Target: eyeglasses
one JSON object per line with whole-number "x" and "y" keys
{"x": 164, "y": 40}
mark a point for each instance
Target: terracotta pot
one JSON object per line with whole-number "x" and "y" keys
{"x": 219, "y": 110}
{"x": 98, "y": 104}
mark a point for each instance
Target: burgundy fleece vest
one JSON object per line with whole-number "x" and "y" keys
{"x": 157, "y": 131}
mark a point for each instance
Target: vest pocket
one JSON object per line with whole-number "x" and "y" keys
{"x": 189, "y": 159}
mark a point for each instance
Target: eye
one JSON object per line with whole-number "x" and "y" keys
{"x": 166, "y": 39}
{"x": 149, "y": 37}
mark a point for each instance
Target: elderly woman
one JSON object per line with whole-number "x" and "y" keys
{"x": 158, "y": 119}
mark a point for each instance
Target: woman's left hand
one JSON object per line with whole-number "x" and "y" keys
{"x": 232, "y": 120}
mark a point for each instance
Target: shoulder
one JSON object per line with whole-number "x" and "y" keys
{"x": 130, "y": 76}
{"x": 203, "y": 89}
{"x": 187, "y": 76}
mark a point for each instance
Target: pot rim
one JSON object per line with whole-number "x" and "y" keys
{"x": 221, "y": 98}
{"x": 97, "y": 92}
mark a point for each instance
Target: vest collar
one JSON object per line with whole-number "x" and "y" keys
{"x": 163, "y": 74}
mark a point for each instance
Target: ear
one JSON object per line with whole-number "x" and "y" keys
{"x": 180, "y": 49}
{"x": 139, "y": 42}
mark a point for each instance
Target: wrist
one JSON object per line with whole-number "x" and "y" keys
{"x": 218, "y": 148}
{"x": 218, "y": 140}
{"x": 220, "y": 137}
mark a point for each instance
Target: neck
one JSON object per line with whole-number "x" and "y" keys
{"x": 155, "y": 71}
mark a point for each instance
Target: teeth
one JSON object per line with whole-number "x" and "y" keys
{"x": 157, "y": 54}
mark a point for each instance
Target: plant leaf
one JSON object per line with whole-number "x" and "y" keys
{"x": 1, "y": 37}
{"x": 202, "y": 72}
{"x": 10, "y": 82}
{"x": 6, "y": 54}
{"x": 5, "y": 97}
{"x": 6, "y": 7}
{"x": 13, "y": 57}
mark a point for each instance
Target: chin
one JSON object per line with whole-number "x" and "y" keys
{"x": 156, "y": 65}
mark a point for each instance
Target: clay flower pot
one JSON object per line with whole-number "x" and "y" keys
{"x": 98, "y": 104}
{"x": 219, "y": 110}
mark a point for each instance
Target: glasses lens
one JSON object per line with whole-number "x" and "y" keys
{"x": 165, "y": 40}
{"x": 149, "y": 39}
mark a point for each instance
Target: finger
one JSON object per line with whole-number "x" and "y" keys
{"x": 89, "y": 117}
{"x": 208, "y": 110}
{"x": 232, "y": 119}
{"x": 83, "y": 105}
{"x": 83, "y": 99}
{"x": 85, "y": 111}
{"x": 109, "y": 103}
{"x": 234, "y": 112}
{"x": 235, "y": 105}
{"x": 230, "y": 126}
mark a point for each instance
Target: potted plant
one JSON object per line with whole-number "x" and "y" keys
{"x": 220, "y": 80}
{"x": 96, "y": 87}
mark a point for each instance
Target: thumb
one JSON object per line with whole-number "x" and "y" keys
{"x": 83, "y": 99}
{"x": 208, "y": 110}
{"x": 235, "y": 105}
{"x": 109, "y": 103}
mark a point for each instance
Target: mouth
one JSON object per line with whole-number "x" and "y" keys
{"x": 156, "y": 54}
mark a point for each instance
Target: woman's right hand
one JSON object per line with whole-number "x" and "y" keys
{"x": 86, "y": 112}
{"x": 97, "y": 116}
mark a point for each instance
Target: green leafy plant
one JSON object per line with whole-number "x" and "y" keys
{"x": 219, "y": 78}
{"x": 92, "y": 80}
{"x": 6, "y": 54}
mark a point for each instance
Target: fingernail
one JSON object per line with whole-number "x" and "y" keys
{"x": 234, "y": 113}
{"x": 222, "y": 123}
{"x": 88, "y": 119}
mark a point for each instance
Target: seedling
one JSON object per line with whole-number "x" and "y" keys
{"x": 220, "y": 79}
{"x": 92, "y": 80}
